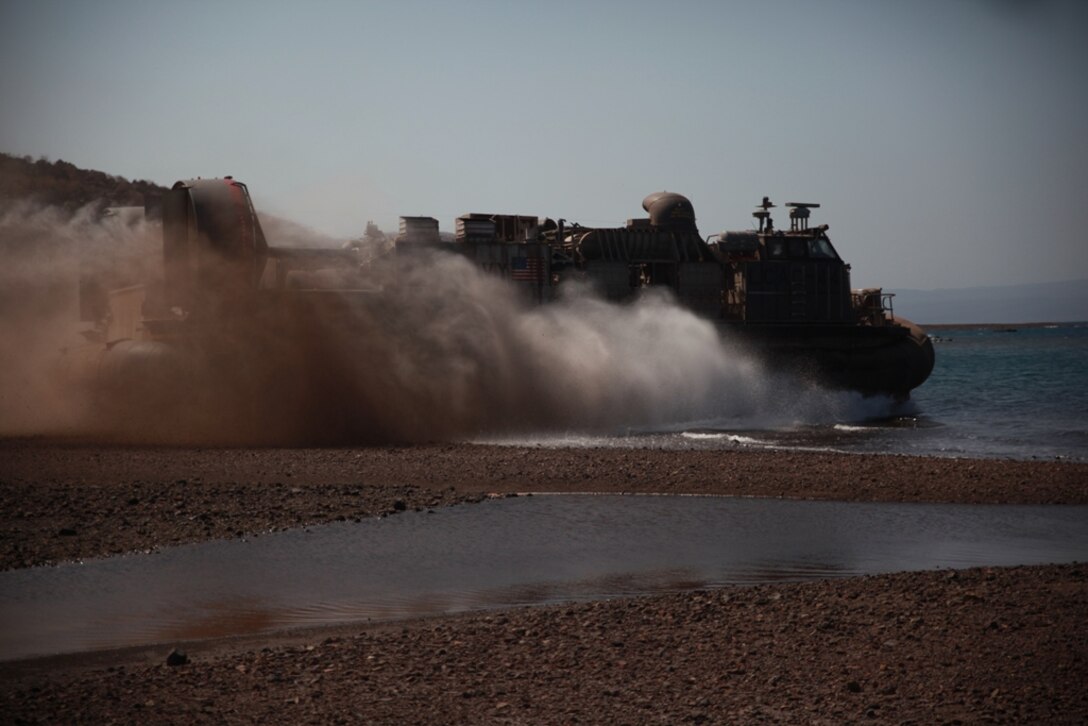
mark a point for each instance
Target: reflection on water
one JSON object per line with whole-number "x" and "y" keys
{"x": 506, "y": 553}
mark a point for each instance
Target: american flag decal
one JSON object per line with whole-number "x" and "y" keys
{"x": 530, "y": 269}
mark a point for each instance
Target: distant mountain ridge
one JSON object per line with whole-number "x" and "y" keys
{"x": 62, "y": 184}
{"x": 1056, "y": 302}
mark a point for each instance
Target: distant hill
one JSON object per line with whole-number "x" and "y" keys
{"x": 61, "y": 184}
{"x": 1041, "y": 302}
{"x": 66, "y": 187}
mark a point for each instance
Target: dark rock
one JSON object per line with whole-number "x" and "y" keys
{"x": 67, "y": 532}
{"x": 177, "y": 658}
{"x": 399, "y": 505}
{"x": 853, "y": 687}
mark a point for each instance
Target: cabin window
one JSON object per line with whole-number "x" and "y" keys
{"x": 820, "y": 248}
{"x": 797, "y": 249}
{"x": 776, "y": 248}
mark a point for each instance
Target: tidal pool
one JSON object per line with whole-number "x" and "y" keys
{"x": 505, "y": 553}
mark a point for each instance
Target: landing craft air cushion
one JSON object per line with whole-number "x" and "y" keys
{"x": 786, "y": 293}
{"x": 226, "y": 294}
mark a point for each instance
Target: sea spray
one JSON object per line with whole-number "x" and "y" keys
{"x": 421, "y": 350}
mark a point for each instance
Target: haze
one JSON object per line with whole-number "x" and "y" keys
{"x": 944, "y": 140}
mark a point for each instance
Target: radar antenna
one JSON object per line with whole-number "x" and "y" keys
{"x": 799, "y": 214}
{"x": 763, "y": 214}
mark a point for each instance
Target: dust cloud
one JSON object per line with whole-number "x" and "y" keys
{"x": 43, "y": 252}
{"x": 406, "y": 350}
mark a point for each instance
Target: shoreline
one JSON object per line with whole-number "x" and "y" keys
{"x": 70, "y": 502}
{"x": 998, "y": 326}
{"x": 987, "y": 644}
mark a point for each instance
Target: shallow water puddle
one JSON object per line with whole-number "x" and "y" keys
{"x": 503, "y": 553}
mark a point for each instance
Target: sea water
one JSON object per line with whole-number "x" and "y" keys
{"x": 995, "y": 392}
{"x": 1019, "y": 392}
{"x": 507, "y": 553}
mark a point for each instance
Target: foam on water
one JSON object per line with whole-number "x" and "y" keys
{"x": 731, "y": 438}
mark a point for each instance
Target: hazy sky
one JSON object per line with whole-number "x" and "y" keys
{"x": 945, "y": 138}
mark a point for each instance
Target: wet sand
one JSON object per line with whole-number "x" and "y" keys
{"x": 982, "y": 645}
{"x": 1002, "y": 645}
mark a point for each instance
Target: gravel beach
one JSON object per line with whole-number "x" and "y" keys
{"x": 993, "y": 645}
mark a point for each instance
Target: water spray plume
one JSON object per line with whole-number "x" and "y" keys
{"x": 439, "y": 350}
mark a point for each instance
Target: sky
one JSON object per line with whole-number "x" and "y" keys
{"x": 945, "y": 139}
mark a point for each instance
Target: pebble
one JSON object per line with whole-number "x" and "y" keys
{"x": 177, "y": 658}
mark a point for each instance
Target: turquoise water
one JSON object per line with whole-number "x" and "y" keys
{"x": 1021, "y": 392}
{"x": 994, "y": 393}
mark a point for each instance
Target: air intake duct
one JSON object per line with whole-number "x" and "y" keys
{"x": 670, "y": 210}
